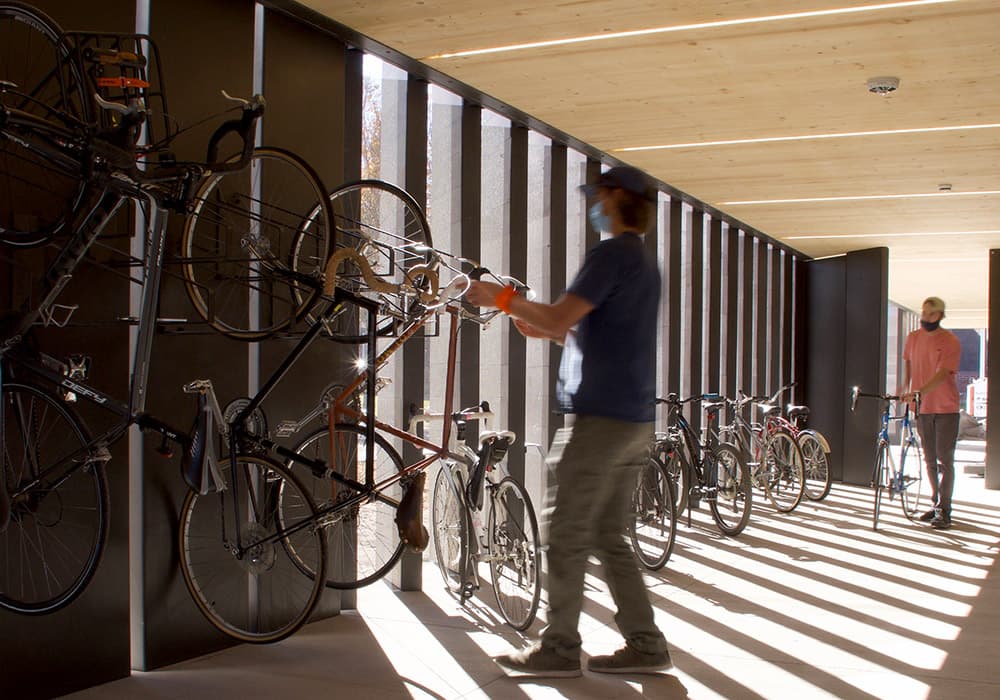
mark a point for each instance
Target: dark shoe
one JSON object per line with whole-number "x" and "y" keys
{"x": 629, "y": 660}
{"x": 928, "y": 516}
{"x": 941, "y": 522}
{"x": 538, "y": 662}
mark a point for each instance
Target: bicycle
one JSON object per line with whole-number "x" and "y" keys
{"x": 53, "y": 471}
{"x": 771, "y": 449}
{"x": 888, "y": 475}
{"x": 705, "y": 469}
{"x": 652, "y": 527}
{"x": 473, "y": 484}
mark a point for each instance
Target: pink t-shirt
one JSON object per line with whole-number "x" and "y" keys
{"x": 927, "y": 353}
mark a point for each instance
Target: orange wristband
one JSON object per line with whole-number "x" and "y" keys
{"x": 503, "y": 297}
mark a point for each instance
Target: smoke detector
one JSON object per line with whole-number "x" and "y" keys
{"x": 883, "y": 85}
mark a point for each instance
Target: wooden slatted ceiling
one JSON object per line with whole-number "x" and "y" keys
{"x": 783, "y": 78}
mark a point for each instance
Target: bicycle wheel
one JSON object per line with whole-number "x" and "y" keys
{"x": 733, "y": 497}
{"x": 654, "y": 516}
{"x": 914, "y": 494}
{"x": 678, "y": 469}
{"x": 816, "y": 466}
{"x": 388, "y": 228}
{"x": 240, "y": 568}
{"x": 451, "y": 529}
{"x": 880, "y": 479}
{"x": 515, "y": 553}
{"x": 782, "y": 471}
{"x": 363, "y": 541}
{"x": 35, "y": 199}
{"x": 255, "y": 245}
{"x": 57, "y": 530}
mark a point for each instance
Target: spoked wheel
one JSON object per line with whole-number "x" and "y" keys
{"x": 729, "y": 475}
{"x": 450, "y": 528}
{"x": 255, "y": 245}
{"x": 782, "y": 471}
{"x": 654, "y": 516}
{"x": 816, "y": 466}
{"x": 915, "y": 494}
{"x": 57, "y": 528}
{"x": 36, "y": 200}
{"x": 880, "y": 479}
{"x": 387, "y": 227}
{"x": 679, "y": 470}
{"x": 251, "y": 556}
{"x": 362, "y": 537}
{"x": 515, "y": 553}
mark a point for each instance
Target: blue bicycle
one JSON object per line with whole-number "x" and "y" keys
{"x": 904, "y": 477}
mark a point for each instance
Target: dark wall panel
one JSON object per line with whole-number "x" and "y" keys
{"x": 732, "y": 294}
{"x": 518, "y": 251}
{"x": 714, "y": 319}
{"x": 557, "y": 262}
{"x": 56, "y": 654}
{"x": 993, "y": 360}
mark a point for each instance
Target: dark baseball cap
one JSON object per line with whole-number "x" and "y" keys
{"x": 623, "y": 177}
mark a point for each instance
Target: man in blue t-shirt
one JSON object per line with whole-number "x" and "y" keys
{"x": 606, "y": 321}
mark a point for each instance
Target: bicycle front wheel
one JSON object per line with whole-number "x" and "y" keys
{"x": 450, "y": 528}
{"x": 387, "y": 227}
{"x": 679, "y": 471}
{"x": 782, "y": 471}
{"x": 255, "y": 245}
{"x": 515, "y": 553}
{"x": 654, "y": 516}
{"x": 730, "y": 479}
{"x": 244, "y": 552}
{"x": 58, "y": 523}
{"x": 816, "y": 466}
{"x": 915, "y": 495}
{"x": 363, "y": 539}
{"x": 880, "y": 479}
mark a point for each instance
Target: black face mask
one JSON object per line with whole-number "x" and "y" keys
{"x": 930, "y": 327}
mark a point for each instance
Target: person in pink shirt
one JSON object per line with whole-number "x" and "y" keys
{"x": 930, "y": 361}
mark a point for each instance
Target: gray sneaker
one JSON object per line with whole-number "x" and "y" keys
{"x": 629, "y": 660}
{"x": 537, "y": 661}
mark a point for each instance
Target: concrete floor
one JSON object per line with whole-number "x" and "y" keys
{"x": 810, "y": 605}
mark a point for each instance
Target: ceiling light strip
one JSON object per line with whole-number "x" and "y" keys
{"x": 858, "y": 198}
{"x": 809, "y": 137}
{"x": 890, "y": 235}
{"x": 686, "y": 27}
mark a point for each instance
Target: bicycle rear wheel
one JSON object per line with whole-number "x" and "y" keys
{"x": 257, "y": 577}
{"x": 915, "y": 495}
{"x": 451, "y": 530}
{"x": 387, "y": 227}
{"x": 515, "y": 553}
{"x": 255, "y": 245}
{"x": 733, "y": 495}
{"x": 363, "y": 538}
{"x": 654, "y": 516}
{"x": 782, "y": 471}
{"x": 58, "y": 528}
{"x": 35, "y": 199}
{"x": 816, "y": 466}
{"x": 678, "y": 468}
{"x": 880, "y": 479}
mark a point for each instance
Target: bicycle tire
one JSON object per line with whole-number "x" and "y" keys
{"x": 388, "y": 228}
{"x": 36, "y": 201}
{"x": 258, "y": 595}
{"x": 913, "y": 496}
{"x": 880, "y": 479}
{"x": 451, "y": 530}
{"x": 515, "y": 553}
{"x": 733, "y": 498}
{"x": 255, "y": 245}
{"x": 55, "y": 537}
{"x": 783, "y": 471}
{"x": 816, "y": 466}
{"x": 679, "y": 469}
{"x": 363, "y": 541}
{"x": 653, "y": 525}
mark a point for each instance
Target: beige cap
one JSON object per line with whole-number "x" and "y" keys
{"x": 936, "y": 304}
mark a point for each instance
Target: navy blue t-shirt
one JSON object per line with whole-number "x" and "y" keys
{"x": 609, "y": 368}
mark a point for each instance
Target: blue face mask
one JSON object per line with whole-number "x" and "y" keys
{"x": 598, "y": 219}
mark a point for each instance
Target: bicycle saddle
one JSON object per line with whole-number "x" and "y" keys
{"x": 796, "y": 411}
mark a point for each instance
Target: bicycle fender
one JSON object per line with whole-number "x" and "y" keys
{"x": 819, "y": 436}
